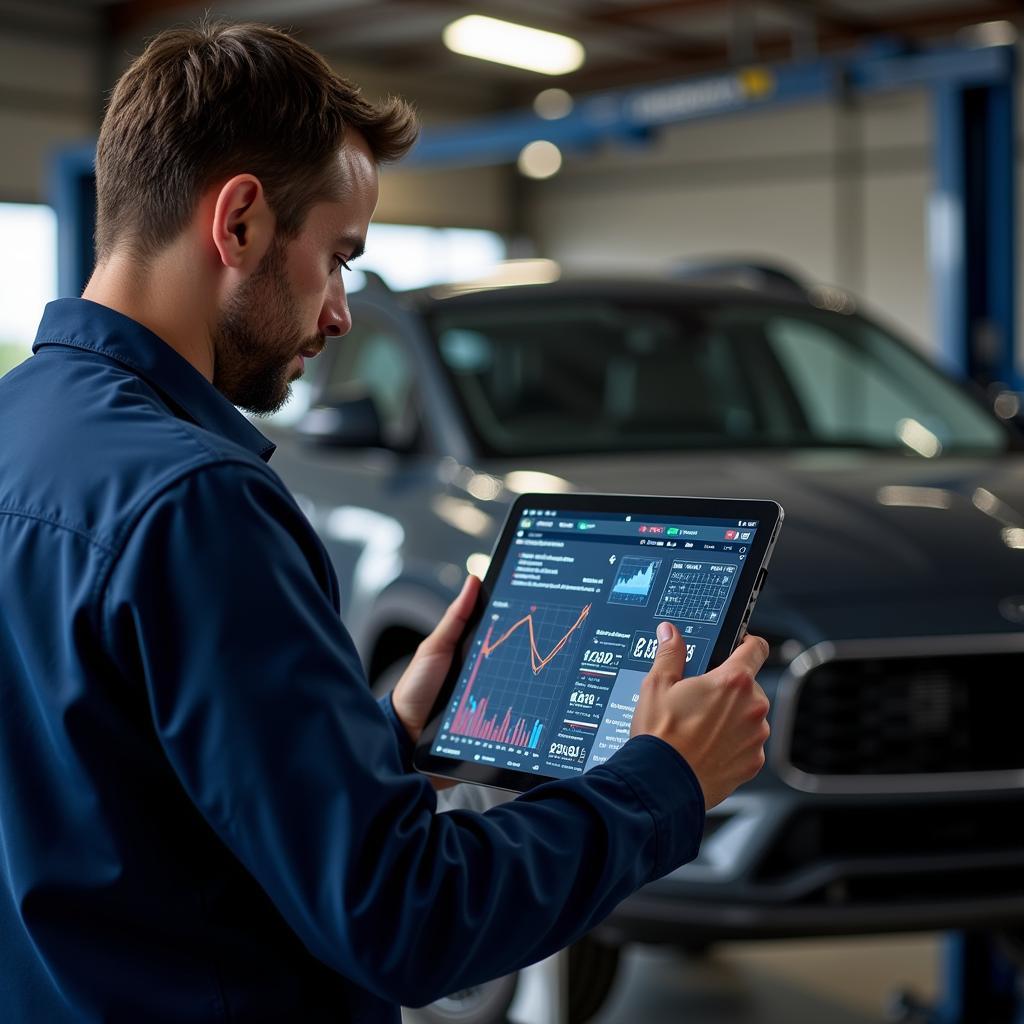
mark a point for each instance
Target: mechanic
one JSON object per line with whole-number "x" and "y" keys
{"x": 204, "y": 814}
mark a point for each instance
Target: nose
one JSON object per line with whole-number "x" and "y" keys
{"x": 335, "y": 319}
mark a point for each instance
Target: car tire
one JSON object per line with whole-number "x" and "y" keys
{"x": 593, "y": 966}
{"x": 487, "y": 1003}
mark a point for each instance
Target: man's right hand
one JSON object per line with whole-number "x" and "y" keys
{"x": 716, "y": 721}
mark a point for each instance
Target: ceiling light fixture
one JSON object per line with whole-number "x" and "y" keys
{"x": 989, "y": 33}
{"x": 540, "y": 159}
{"x": 552, "y": 104}
{"x": 518, "y": 46}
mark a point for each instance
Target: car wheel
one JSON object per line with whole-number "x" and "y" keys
{"x": 592, "y": 964}
{"x": 487, "y": 1003}
{"x": 479, "y": 1004}
{"x": 592, "y": 969}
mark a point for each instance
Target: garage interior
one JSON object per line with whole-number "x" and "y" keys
{"x": 862, "y": 155}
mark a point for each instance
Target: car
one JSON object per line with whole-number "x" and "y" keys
{"x": 892, "y": 797}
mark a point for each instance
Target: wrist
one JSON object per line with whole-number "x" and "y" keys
{"x": 412, "y": 728}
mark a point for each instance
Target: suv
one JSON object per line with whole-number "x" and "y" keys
{"x": 892, "y": 799}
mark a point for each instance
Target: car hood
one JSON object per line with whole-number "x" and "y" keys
{"x": 863, "y": 529}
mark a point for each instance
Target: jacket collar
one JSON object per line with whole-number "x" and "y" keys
{"x": 80, "y": 323}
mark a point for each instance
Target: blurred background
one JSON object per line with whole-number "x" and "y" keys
{"x": 825, "y": 157}
{"x": 840, "y": 175}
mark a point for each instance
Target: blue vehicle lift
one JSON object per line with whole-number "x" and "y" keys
{"x": 972, "y": 244}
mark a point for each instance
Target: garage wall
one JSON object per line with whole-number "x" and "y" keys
{"x": 53, "y": 79}
{"x": 453, "y": 197}
{"x": 49, "y": 79}
{"x": 839, "y": 194}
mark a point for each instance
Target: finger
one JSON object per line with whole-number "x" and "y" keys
{"x": 446, "y": 635}
{"x": 670, "y": 661}
{"x": 748, "y": 657}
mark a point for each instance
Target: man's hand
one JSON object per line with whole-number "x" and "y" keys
{"x": 716, "y": 721}
{"x": 416, "y": 691}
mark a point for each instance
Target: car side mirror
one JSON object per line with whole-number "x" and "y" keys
{"x": 352, "y": 423}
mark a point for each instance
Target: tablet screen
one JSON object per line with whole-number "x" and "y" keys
{"x": 553, "y": 672}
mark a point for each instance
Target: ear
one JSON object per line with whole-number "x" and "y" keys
{"x": 243, "y": 224}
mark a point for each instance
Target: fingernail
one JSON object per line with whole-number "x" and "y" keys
{"x": 664, "y": 632}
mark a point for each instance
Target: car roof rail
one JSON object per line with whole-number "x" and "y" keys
{"x": 757, "y": 275}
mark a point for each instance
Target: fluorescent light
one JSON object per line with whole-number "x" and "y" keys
{"x": 539, "y": 159}
{"x": 917, "y": 436}
{"x": 915, "y": 497}
{"x": 990, "y": 33}
{"x": 1013, "y": 537}
{"x": 507, "y": 275}
{"x": 516, "y": 45}
{"x": 483, "y": 486}
{"x": 463, "y": 515}
{"x": 985, "y": 501}
{"x": 1006, "y": 405}
{"x": 522, "y": 481}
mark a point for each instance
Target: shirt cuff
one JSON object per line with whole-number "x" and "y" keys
{"x": 667, "y": 786}
{"x": 405, "y": 743}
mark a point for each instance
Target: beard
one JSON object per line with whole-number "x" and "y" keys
{"x": 256, "y": 339}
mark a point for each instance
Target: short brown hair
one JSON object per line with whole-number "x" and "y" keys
{"x": 201, "y": 104}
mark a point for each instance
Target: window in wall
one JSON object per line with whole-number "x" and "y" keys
{"x": 28, "y": 276}
{"x": 411, "y": 256}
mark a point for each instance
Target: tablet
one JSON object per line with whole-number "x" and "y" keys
{"x": 549, "y": 667}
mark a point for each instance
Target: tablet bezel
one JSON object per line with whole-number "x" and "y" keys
{"x": 769, "y": 515}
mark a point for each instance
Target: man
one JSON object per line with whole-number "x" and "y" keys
{"x": 204, "y": 815}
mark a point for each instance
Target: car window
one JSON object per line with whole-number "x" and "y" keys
{"x": 563, "y": 376}
{"x": 853, "y": 384}
{"x": 373, "y": 361}
{"x": 593, "y": 372}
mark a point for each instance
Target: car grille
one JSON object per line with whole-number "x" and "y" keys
{"x": 910, "y": 715}
{"x": 914, "y": 849}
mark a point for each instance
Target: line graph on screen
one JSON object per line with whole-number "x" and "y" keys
{"x": 521, "y": 667}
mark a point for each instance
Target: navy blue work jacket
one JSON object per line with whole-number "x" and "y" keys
{"x": 204, "y": 814}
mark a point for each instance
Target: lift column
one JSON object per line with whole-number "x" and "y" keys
{"x": 972, "y": 223}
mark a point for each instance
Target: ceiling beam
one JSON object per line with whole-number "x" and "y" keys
{"x": 129, "y": 15}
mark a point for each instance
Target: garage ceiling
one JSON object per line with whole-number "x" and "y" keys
{"x": 626, "y": 41}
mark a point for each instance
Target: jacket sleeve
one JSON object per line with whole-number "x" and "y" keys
{"x": 260, "y": 704}
{"x": 406, "y": 747}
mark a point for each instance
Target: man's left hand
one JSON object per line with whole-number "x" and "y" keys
{"x": 416, "y": 691}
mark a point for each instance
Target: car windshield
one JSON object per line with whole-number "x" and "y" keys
{"x": 563, "y": 376}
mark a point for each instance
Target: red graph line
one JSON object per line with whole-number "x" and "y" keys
{"x": 536, "y": 661}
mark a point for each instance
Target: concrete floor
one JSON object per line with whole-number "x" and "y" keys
{"x": 835, "y": 981}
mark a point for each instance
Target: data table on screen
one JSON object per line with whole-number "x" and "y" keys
{"x": 697, "y": 591}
